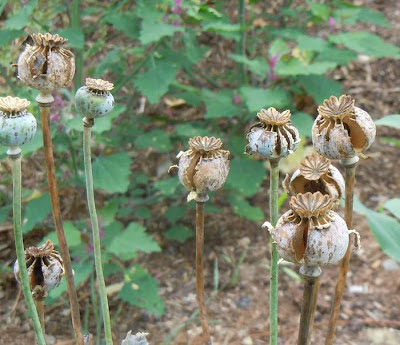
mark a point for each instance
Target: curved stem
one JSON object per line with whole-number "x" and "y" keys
{"x": 87, "y": 125}
{"x": 350, "y": 173}
{"x": 200, "y": 272}
{"x": 274, "y": 270}
{"x": 19, "y": 247}
{"x": 55, "y": 208}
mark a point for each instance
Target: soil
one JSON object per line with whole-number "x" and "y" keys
{"x": 238, "y": 313}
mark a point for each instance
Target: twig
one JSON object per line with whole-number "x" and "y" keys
{"x": 350, "y": 171}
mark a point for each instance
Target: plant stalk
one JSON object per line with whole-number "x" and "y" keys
{"x": 15, "y": 160}
{"x": 45, "y": 101}
{"x": 310, "y": 275}
{"x": 350, "y": 174}
{"x": 200, "y": 271}
{"x": 274, "y": 269}
{"x": 39, "y": 303}
{"x": 87, "y": 129}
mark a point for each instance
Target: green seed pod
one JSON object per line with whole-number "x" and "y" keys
{"x": 46, "y": 65}
{"x": 17, "y": 125}
{"x": 94, "y": 100}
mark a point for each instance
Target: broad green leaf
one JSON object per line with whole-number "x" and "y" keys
{"x": 111, "y": 173}
{"x": 4, "y": 213}
{"x": 21, "y": 19}
{"x": 296, "y": 67}
{"x": 309, "y": 43}
{"x": 393, "y": 206}
{"x": 258, "y": 98}
{"x": 156, "y": 139}
{"x": 142, "y": 212}
{"x": 219, "y": 104}
{"x": 352, "y": 15}
{"x": 246, "y": 176}
{"x": 278, "y": 47}
{"x": 155, "y": 82}
{"x": 319, "y": 10}
{"x": 141, "y": 290}
{"x": 7, "y": 36}
{"x": 75, "y": 36}
{"x": 167, "y": 186}
{"x": 243, "y": 208}
{"x": 192, "y": 129}
{"x": 257, "y": 66}
{"x": 366, "y": 43}
{"x": 174, "y": 213}
{"x": 179, "y": 233}
{"x": 36, "y": 211}
{"x": 303, "y": 122}
{"x": 125, "y": 22}
{"x": 320, "y": 87}
{"x": 389, "y": 120}
{"x": 339, "y": 56}
{"x": 35, "y": 144}
{"x": 134, "y": 239}
{"x": 152, "y": 32}
{"x": 114, "y": 61}
{"x": 72, "y": 234}
{"x": 108, "y": 212}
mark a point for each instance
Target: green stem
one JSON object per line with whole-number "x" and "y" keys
{"x": 274, "y": 275}
{"x": 87, "y": 125}
{"x": 19, "y": 247}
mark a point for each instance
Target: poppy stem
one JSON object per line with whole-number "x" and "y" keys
{"x": 310, "y": 275}
{"x": 39, "y": 303}
{"x": 350, "y": 172}
{"x": 15, "y": 160}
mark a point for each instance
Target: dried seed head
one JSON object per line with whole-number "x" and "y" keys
{"x": 204, "y": 167}
{"x": 137, "y": 339}
{"x": 311, "y": 232}
{"x": 274, "y": 136}
{"x": 45, "y": 268}
{"x": 316, "y": 174}
{"x": 46, "y": 65}
{"x": 342, "y": 130}
{"x": 95, "y": 99}
{"x": 18, "y": 126}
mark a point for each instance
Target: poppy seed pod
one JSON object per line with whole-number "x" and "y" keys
{"x": 18, "y": 126}
{"x": 311, "y": 233}
{"x": 137, "y": 339}
{"x": 316, "y": 174}
{"x": 274, "y": 136}
{"x": 204, "y": 167}
{"x": 341, "y": 130}
{"x": 46, "y": 65}
{"x": 45, "y": 267}
{"x": 95, "y": 99}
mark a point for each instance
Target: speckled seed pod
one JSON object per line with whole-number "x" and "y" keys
{"x": 95, "y": 99}
{"x": 17, "y": 125}
{"x": 316, "y": 174}
{"x": 341, "y": 130}
{"x": 137, "y": 339}
{"x": 204, "y": 167}
{"x": 45, "y": 267}
{"x": 46, "y": 65}
{"x": 274, "y": 136}
{"x": 311, "y": 233}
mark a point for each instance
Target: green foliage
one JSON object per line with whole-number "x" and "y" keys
{"x": 36, "y": 211}
{"x": 179, "y": 233}
{"x": 389, "y": 120}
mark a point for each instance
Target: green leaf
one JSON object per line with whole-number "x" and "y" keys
{"x": 339, "y": 56}
{"x": 72, "y": 234}
{"x": 296, "y": 67}
{"x": 108, "y": 212}
{"x": 36, "y": 211}
{"x": 303, "y": 122}
{"x": 352, "y": 15}
{"x": 75, "y": 36}
{"x": 246, "y": 176}
{"x": 319, "y": 10}
{"x": 155, "y": 82}
{"x": 258, "y": 98}
{"x": 278, "y": 47}
{"x": 125, "y": 22}
{"x": 389, "y": 120}
{"x": 320, "y": 87}
{"x": 179, "y": 233}
{"x": 156, "y": 139}
{"x": 175, "y": 213}
{"x": 257, "y": 66}
{"x": 141, "y": 290}
{"x": 132, "y": 240}
{"x": 393, "y": 206}
{"x": 167, "y": 186}
{"x": 309, "y": 43}
{"x": 192, "y": 129}
{"x": 219, "y": 104}
{"x": 111, "y": 173}
{"x": 21, "y": 19}
{"x": 35, "y": 144}
{"x": 114, "y": 61}
{"x": 7, "y": 35}
{"x": 366, "y": 43}
{"x": 152, "y": 32}
{"x": 243, "y": 209}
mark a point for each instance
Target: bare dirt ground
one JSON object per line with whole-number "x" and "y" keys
{"x": 239, "y": 313}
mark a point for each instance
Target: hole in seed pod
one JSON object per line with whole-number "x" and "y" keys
{"x": 357, "y": 136}
{"x": 37, "y": 276}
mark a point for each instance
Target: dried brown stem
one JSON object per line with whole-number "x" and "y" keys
{"x": 55, "y": 207}
{"x": 350, "y": 172}
{"x": 39, "y": 303}
{"x": 311, "y": 281}
{"x": 200, "y": 271}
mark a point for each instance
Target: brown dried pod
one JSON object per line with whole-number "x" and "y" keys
{"x": 342, "y": 130}
{"x": 311, "y": 233}
{"x": 204, "y": 167}
{"x": 45, "y": 268}
{"x": 46, "y": 65}
{"x": 316, "y": 174}
{"x": 274, "y": 136}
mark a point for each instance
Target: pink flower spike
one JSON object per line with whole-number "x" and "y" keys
{"x": 332, "y": 24}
